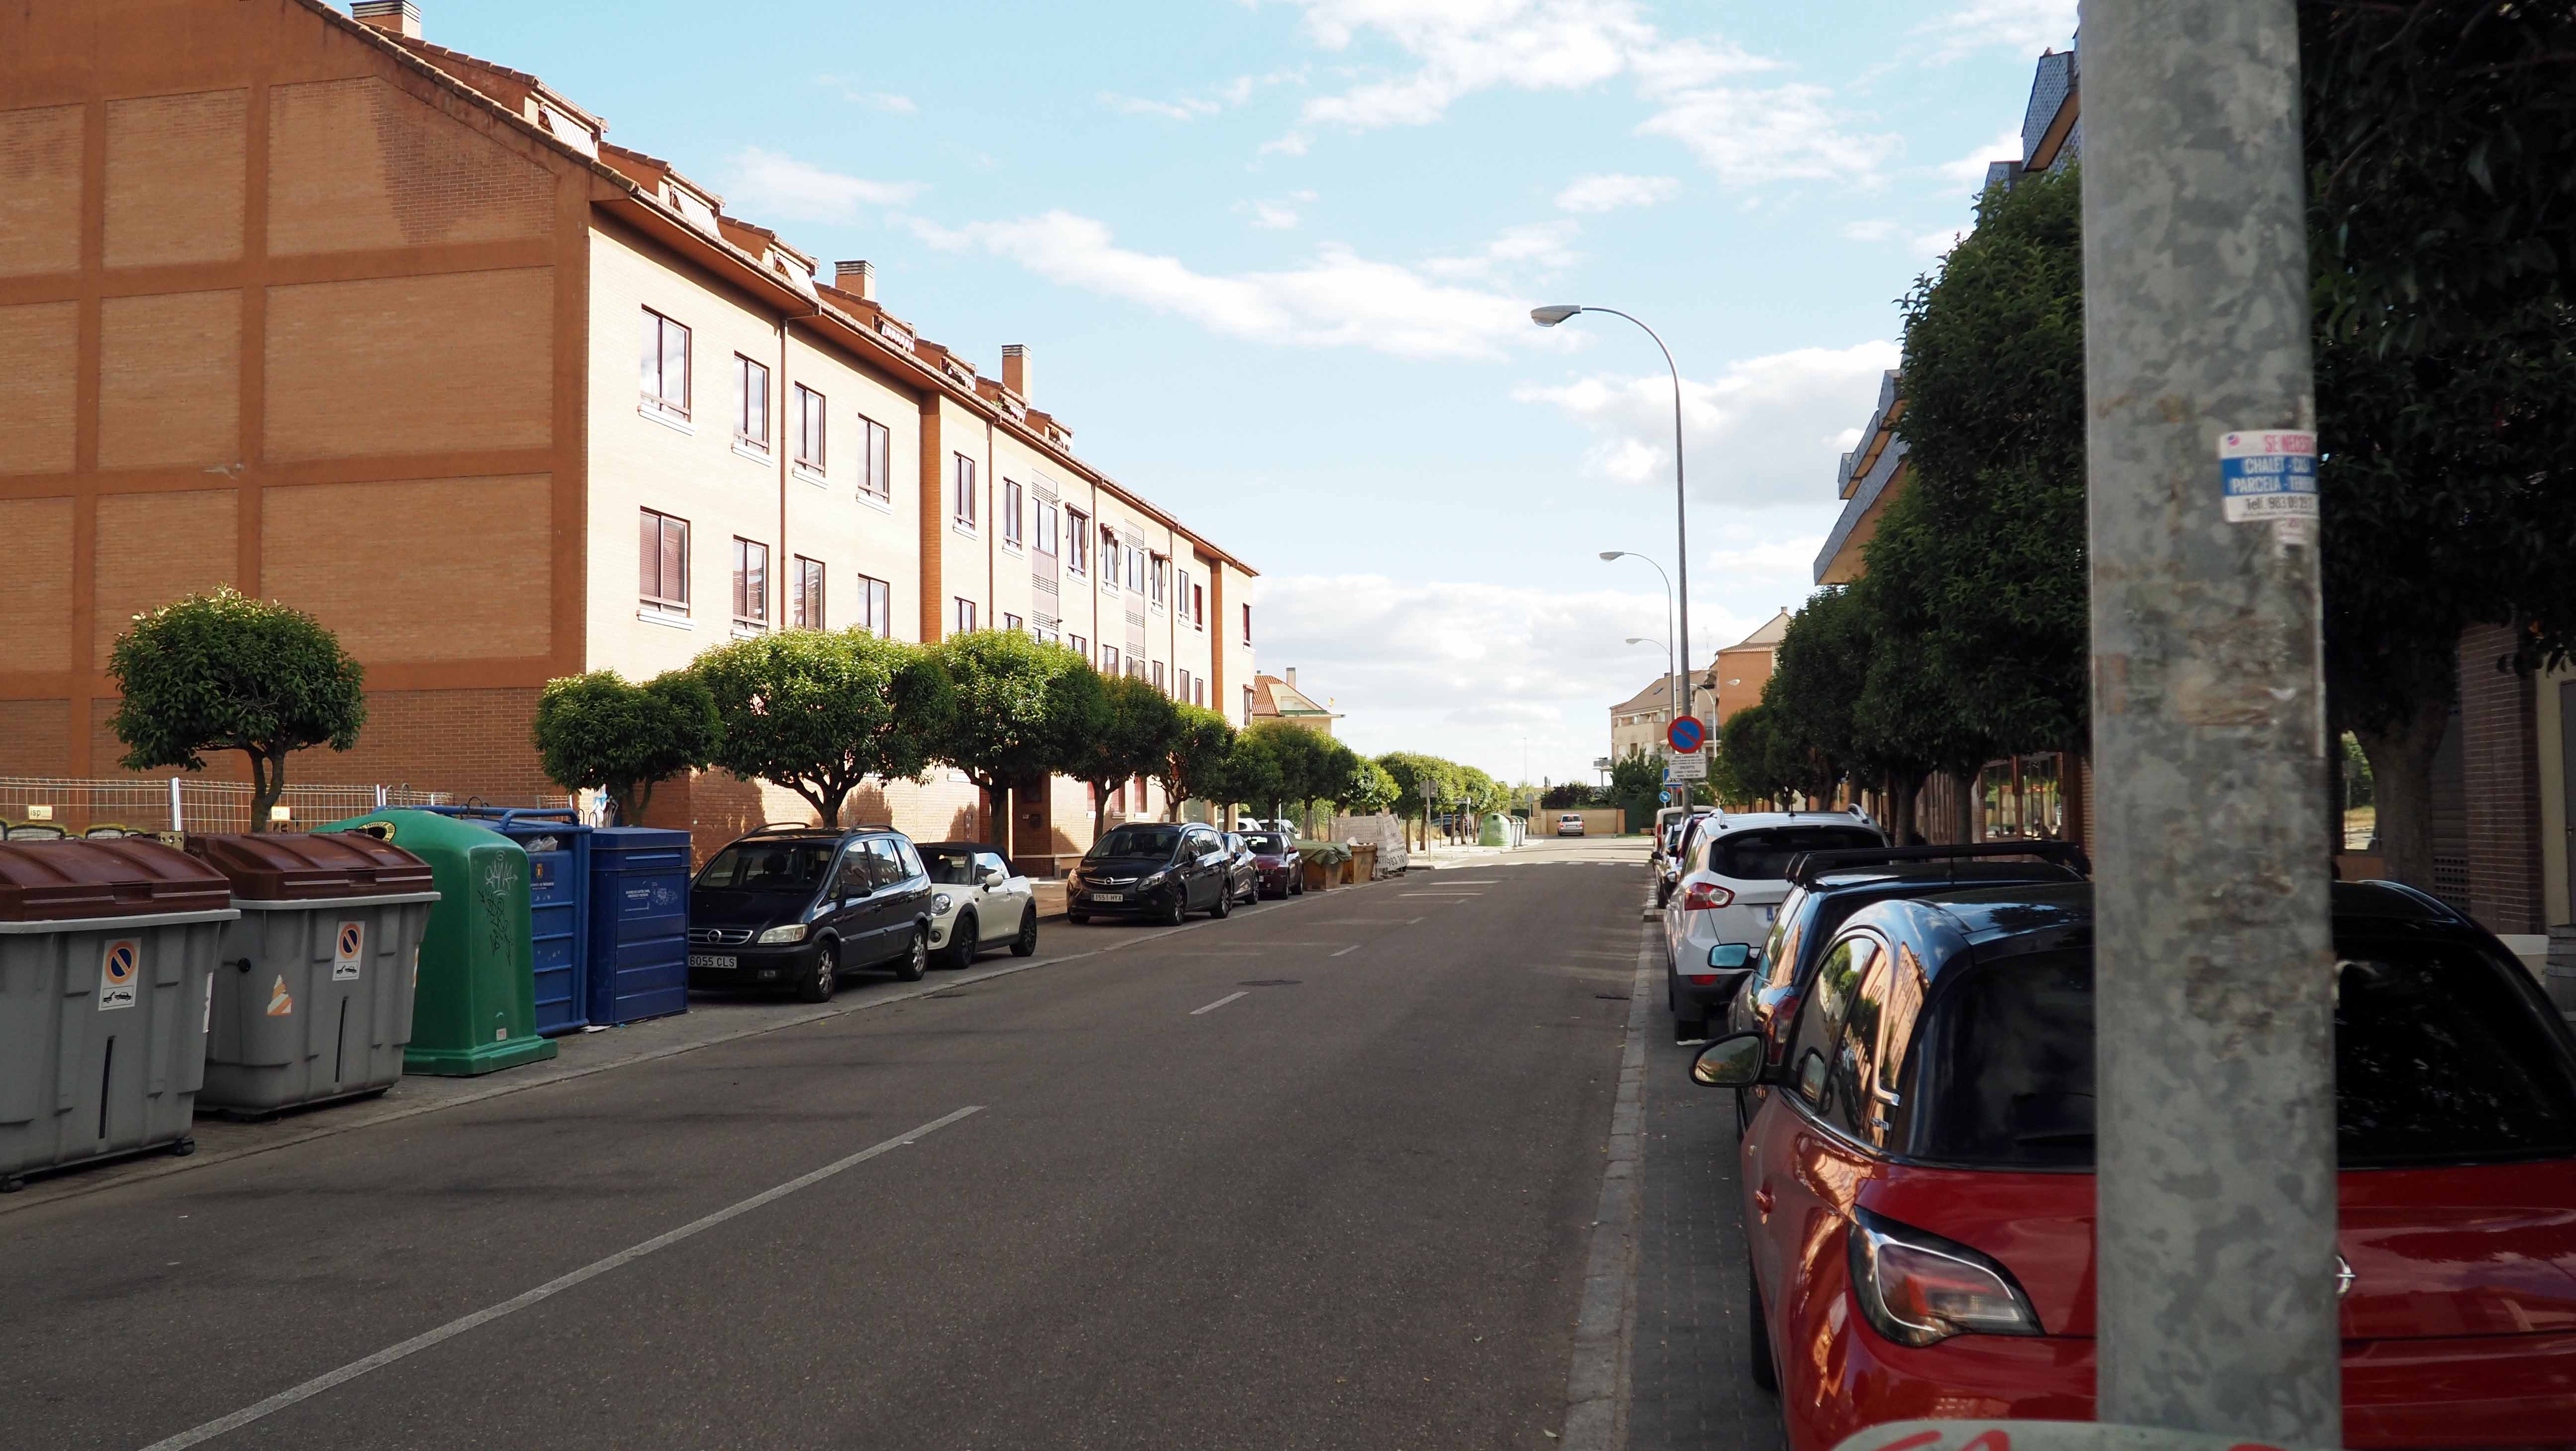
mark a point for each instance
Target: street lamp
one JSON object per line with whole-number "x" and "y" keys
{"x": 1550, "y": 317}
{"x": 1674, "y": 703}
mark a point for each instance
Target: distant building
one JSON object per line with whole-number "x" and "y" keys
{"x": 1275, "y": 698}
{"x": 1637, "y": 723}
{"x": 1743, "y": 668}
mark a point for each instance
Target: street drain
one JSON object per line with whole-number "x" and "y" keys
{"x": 1268, "y": 982}
{"x": 1609, "y": 997}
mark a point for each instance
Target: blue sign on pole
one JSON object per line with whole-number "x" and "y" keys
{"x": 1686, "y": 734}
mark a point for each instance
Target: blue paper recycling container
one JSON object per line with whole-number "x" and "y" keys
{"x": 639, "y": 923}
{"x": 558, "y": 848}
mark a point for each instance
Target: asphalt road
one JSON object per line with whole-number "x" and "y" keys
{"x": 1321, "y": 1175}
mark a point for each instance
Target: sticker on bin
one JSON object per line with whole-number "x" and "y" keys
{"x": 349, "y": 951}
{"x": 118, "y": 966}
{"x": 2268, "y": 474}
{"x": 206, "y": 1016}
{"x": 280, "y": 1002}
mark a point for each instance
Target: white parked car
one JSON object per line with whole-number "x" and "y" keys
{"x": 1733, "y": 875}
{"x": 978, "y": 902}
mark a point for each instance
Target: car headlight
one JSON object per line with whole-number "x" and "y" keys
{"x": 792, "y": 932}
{"x": 1156, "y": 880}
{"x": 942, "y": 902}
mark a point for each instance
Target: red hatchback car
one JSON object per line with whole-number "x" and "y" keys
{"x": 1918, "y": 1197}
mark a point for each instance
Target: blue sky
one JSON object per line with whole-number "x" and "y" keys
{"x": 1273, "y": 262}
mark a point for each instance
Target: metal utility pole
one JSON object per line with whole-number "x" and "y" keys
{"x": 2214, "y": 976}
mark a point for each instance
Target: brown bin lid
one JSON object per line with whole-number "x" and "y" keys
{"x": 130, "y": 876}
{"x": 289, "y": 867}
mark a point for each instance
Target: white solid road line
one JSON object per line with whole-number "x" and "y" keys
{"x": 1220, "y": 1002}
{"x": 1354, "y": 947}
{"x": 453, "y": 1328}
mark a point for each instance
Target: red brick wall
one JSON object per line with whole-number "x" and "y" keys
{"x": 2500, "y": 771}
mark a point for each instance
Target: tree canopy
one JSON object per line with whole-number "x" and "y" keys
{"x": 820, "y": 712}
{"x": 225, "y": 672}
{"x": 601, "y": 731}
{"x": 1025, "y": 710}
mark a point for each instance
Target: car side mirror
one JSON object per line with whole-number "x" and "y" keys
{"x": 1729, "y": 956}
{"x": 994, "y": 879}
{"x": 1734, "y": 1061}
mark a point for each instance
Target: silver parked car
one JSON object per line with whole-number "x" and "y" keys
{"x": 1733, "y": 876}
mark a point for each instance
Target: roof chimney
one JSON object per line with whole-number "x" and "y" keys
{"x": 1292, "y": 677}
{"x": 393, "y": 17}
{"x": 1015, "y": 369}
{"x": 857, "y": 277}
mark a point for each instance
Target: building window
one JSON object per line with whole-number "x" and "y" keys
{"x": 662, "y": 574}
{"x": 1198, "y": 607}
{"x": 1158, "y": 676}
{"x": 666, "y": 365}
{"x": 965, "y": 615}
{"x": 963, "y": 507}
{"x": 1247, "y": 624}
{"x": 1010, "y": 511}
{"x": 1109, "y": 558}
{"x": 809, "y": 428}
{"x": 809, "y": 594}
{"x": 1136, "y": 569}
{"x": 876, "y": 471}
{"x": 1077, "y": 541}
{"x": 1247, "y": 705}
{"x": 1162, "y": 576}
{"x": 750, "y": 404}
{"x": 1108, "y": 659}
{"x": 1046, "y": 527}
{"x": 1181, "y": 679}
{"x": 750, "y": 584}
{"x": 1078, "y": 645}
{"x": 1202, "y": 696}
{"x": 875, "y": 601}
{"x": 1012, "y": 623}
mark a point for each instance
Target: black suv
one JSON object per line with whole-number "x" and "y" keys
{"x": 796, "y": 906}
{"x": 1158, "y": 870}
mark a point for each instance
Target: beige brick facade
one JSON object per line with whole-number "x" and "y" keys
{"x": 350, "y": 321}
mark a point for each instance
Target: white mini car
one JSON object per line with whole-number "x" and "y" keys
{"x": 980, "y": 902}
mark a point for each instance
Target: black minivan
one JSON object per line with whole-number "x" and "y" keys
{"x": 797, "y": 906}
{"x": 1159, "y": 870}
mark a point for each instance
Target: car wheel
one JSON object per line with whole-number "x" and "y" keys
{"x": 916, "y": 958}
{"x": 1757, "y": 1351}
{"x": 1078, "y": 919}
{"x": 818, "y": 984}
{"x": 1026, "y": 944}
{"x": 1179, "y": 911}
{"x": 1224, "y": 902}
{"x": 962, "y": 941}
{"x": 1296, "y": 883}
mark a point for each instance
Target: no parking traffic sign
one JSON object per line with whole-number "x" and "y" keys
{"x": 1686, "y": 734}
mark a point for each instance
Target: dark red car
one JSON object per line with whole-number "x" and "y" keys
{"x": 1274, "y": 859}
{"x": 1918, "y": 1191}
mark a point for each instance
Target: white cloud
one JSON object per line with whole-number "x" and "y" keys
{"x": 1970, "y": 170}
{"x": 1338, "y": 298}
{"x": 1546, "y": 246}
{"x": 1768, "y": 430}
{"x": 1188, "y": 108}
{"x": 764, "y": 184}
{"x": 1461, "y": 47}
{"x": 1786, "y": 133}
{"x": 1614, "y": 190}
{"x": 1938, "y": 242}
{"x": 1875, "y": 229}
{"x": 2027, "y": 26}
{"x": 1271, "y": 216}
{"x": 887, "y": 101}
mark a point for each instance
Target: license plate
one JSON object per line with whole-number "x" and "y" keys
{"x": 1109, "y": 896}
{"x": 712, "y": 962}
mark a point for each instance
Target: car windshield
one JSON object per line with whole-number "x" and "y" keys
{"x": 770, "y": 866}
{"x": 2437, "y": 1061}
{"x": 949, "y": 866}
{"x": 1762, "y": 855}
{"x": 1147, "y": 841}
{"x": 1267, "y": 843}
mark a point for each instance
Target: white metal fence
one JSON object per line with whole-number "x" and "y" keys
{"x": 36, "y": 806}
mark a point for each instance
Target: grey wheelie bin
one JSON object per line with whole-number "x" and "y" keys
{"x": 107, "y": 956}
{"x": 314, "y": 983}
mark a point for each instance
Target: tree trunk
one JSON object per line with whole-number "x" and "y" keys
{"x": 1003, "y": 826}
{"x": 2401, "y": 767}
{"x": 826, "y": 803}
{"x": 1963, "y": 807}
{"x": 267, "y": 783}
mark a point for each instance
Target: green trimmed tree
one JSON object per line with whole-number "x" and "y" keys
{"x": 603, "y": 732}
{"x": 2441, "y": 150}
{"x": 1024, "y": 711}
{"x": 1366, "y": 790}
{"x": 1191, "y": 763}
{"x": 820, "y": 712}
{"x": 1254, "y": 774}
{"x": 1412, "y": 772}
{"x": 1133, "y": 739}
{"x": 225, "y": 672}
{"x": 1823, "y": 664}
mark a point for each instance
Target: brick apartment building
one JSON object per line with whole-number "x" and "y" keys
{"x": 305, "y": 304}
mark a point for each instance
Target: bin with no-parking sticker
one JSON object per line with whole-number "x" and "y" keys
{"x": 107, "y": 951}
{"x": 639, "y": 923}
{"x": 313, "y": 991}
{"x": 474, "y": 1008}
{"x": 558, "y": 848}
